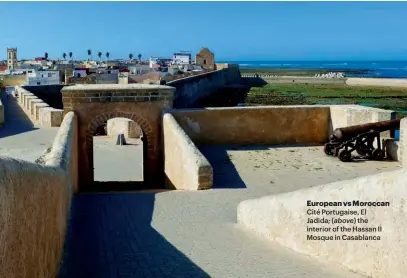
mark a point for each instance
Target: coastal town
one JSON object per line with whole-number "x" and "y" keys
{"x": 103, "y": 70}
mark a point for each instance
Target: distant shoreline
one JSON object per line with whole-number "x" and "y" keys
{"x": 370, "y": 69}
{"x": 301, "y": 72}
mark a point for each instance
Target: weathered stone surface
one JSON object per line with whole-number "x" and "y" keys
{"x": 185, "y": 166}
{"x": 129, "y": 128}
{"x": 93, "y": 114}
{"x": 34, "y": 208}
{"x": 283, "y": 218}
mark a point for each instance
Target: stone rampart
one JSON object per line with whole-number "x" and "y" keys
{"x": 184, "y": 165}
{"x": 12, "y": 80}
{"x": 272, "y": 124}
{"x": 190, "y": 90}
{"x": 39, "y": 112}
{"x": 34, "y": 207}
{"x": 1, "y": 113}
{"x": 283, "y": 219}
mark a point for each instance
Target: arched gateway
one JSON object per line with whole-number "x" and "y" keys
{"x": 95, "y": 104}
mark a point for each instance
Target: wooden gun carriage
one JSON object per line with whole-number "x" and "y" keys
{"x": 359, "y": 138}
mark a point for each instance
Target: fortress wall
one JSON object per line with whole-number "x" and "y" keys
{"x": 12, "y": 80}
{"x": 298, "y": 124}
{"x": 190, "y": 90}
{"x": 34, "y": 207}
{"x": 283, "y": 219}
{"x": 37, "y": 109}
{"x": 255, "y": 125}
{"x": 184, "y": 165}
{"x": 1, "y": 113}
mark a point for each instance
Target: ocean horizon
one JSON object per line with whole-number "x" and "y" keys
{"x": 379, "y": 69}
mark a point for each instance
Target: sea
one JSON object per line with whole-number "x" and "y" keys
{"x": 378, "y": 69}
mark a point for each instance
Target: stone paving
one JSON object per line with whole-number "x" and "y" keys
{"x": 193, "y": 234}
{"x": 19, "y": 137}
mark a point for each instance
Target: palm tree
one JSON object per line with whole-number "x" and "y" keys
{"x": 70, "y": 55}
{"x": 100, "y": 55}
{"x": 131, "y": 56}
{"x": 46, "y": 55}
{"x": 139, "y": 57}
{"x": 64, "y": 55}
{"x": 90, "y": 53}
{"x": 107, "y": 55}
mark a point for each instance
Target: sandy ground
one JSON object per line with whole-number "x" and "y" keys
{"x": 284, "y": 168}
{"x": 19, "y": 137}
{"x": 117, "y": 163}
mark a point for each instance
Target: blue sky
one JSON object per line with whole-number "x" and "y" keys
{"x": 233, "y": 30}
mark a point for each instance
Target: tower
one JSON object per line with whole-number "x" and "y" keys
{"x": 11, "y": 58}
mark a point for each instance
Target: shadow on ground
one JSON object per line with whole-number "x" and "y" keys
{"x": 16, "y": 121}
{"x": 110, "y": 235}
{"x": 225, "y": 174}
{"x": 117, "y": 186}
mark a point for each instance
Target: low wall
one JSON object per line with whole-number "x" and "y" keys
{"x": 129, "y": 128}
{"x": 184, "y": 165}
{"x": 380, "y": 82}
{"x": 298, "y": 124}
{"x": 37, "y": 110}
{"x": 1, "y": 112}
{"x": 191, "y": 90}
{"x": 283, "y": 218}
{"x": 34, "y": 207}
{"x": 12, "y": 80}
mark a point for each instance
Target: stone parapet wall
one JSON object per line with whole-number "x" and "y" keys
{"x": 190, "y": 90}
{"x": 12, "y": 80}
{"x": 39, "y": 112}
{"x": 184, "y": 165}
{"x": 1, "y": 113}
{"x": 272, "y": 124}
{"x": 283, "y": 219}
{"x": 34, "y": 207}
{"x": 106, "y": 93}
{"x": 402, "y": 146}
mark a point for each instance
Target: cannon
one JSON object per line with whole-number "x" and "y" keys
{"x": 360, "y": 138}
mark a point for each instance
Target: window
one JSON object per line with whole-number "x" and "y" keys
{"x": 49, "y": 74}
{"x": 204, "y": 62}
{"x": 38, "y": 83}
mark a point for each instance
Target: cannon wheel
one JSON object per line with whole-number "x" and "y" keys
{"x": 378, "y": 154}
{"x": 328, "y": 149}
{"x": 344, "y": 156}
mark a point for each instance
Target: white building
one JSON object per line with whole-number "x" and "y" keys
{"x": 153, "y": 61}
{"x": 35, "y": 78}
{"x": 182, "y": 58}
{"x": 80, "y": 72}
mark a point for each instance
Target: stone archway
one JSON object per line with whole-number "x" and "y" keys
{"x": 149, "y": 153}
{"x": 95, "y": 104}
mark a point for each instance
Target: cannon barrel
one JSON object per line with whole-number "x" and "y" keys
{"x": 347, "y": 133}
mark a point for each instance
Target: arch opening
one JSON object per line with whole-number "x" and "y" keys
{"x": 118, "y": 165}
